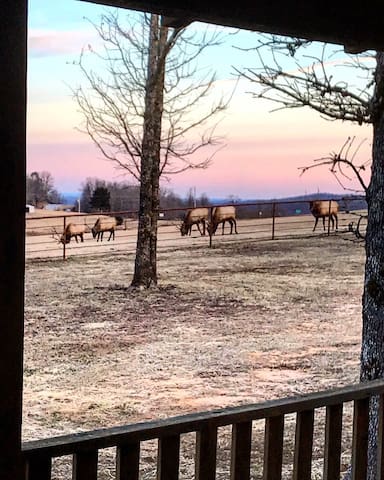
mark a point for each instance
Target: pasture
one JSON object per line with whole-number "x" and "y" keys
{"x": 239, "y": 323}
{"x": 43, "y": 230}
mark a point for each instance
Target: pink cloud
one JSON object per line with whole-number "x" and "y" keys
{"x": 265, "y": 168}
{"x": 69, "y": 163}
{"x": 45, "y": 44}
{"x": 246, "y": 170}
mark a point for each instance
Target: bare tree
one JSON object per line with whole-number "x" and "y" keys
{"x": 40, "y": 189}
{"x": 310, "y": 83}
{"x": 124, "y": 196}
{"x": 140, "y": 109}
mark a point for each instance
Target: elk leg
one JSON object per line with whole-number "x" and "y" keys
{"x": 316, "y": 220}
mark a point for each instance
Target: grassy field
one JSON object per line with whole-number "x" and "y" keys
{"x": 236, "y": 324}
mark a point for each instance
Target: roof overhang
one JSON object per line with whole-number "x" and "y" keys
{"x": 358, "y": 26}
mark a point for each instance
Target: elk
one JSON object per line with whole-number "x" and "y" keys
{"x": 323, "y": 209}
{"x": 222, "y": 215}
{"x": 106, "y": 224}
{"x": 73, "y": 230}
{"x": 194, "y": 216}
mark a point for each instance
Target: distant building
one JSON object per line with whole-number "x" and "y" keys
{"x": 58, "y": 207}
{"x": 29, "y": 208}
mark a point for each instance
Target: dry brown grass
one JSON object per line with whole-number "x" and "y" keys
{"x": 236, "y": 324}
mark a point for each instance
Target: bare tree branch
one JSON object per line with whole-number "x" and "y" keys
{"x": 293, "y": 78}
{"x": 112, "y": 97}
{"x": 336, "y": 163}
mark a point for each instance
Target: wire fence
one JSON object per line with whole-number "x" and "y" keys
{"x": 255, "y": 221}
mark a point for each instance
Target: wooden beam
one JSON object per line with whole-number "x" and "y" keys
{"x": 336, "y": 22}
{"x": 176, "y": 22}
{"x": 13, "y": 61}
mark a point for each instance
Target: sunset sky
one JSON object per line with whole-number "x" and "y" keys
{"x": 262, "y": 150}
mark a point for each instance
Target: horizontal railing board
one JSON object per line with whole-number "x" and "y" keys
{"x": 110, "y": 437}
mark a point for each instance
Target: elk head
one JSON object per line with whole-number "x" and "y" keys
{"x": 60, "y": 237}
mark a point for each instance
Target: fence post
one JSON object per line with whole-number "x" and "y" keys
{"x": 329, "y": 217}
{"x": 64, "y": 227}
{"x": 210, "y": 226}
{"x": 273, "y": 219}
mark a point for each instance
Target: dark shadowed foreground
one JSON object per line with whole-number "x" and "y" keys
{"x": 236, "y": 324}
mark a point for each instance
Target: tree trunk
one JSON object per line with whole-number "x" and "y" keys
{"x": 372, "y": 351}
{"x": 145, "y": 274}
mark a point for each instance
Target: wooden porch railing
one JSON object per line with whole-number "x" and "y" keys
{"x": 85, "y": 447}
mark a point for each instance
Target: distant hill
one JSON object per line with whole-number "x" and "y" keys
{"x": 296, "y": 205}
{"x": 288, "y": 206}
{"x": 308, "y": 197}
{"x": 70, "y": 198}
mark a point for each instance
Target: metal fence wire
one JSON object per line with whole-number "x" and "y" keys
{"x": 254, "y": 222}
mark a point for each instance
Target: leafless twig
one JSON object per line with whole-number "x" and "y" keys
{"x": 337, "y": 161}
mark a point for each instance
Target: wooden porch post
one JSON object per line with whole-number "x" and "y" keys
{"x": 13, "y": 61}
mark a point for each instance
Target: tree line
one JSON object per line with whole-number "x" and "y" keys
{"x": 99, "y": 195}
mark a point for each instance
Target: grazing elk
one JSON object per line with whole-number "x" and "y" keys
{"x": 195, "y": 216}
{"x": 323, "y": 209}
{"x": 106, "y": 224}
{"x": 222, "y": 215}
{"x": 73, "y": 230}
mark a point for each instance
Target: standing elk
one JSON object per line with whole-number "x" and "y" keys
{"x": 195, "y": 216}
{"x": 106, "y": 224}
{"x": 73, "y": 230}
{"x": 222, "y": 215}
{"x": 323, "y": 209}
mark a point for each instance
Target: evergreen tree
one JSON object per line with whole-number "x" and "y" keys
{"x": 100, "y": 199}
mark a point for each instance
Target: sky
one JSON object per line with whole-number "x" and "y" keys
{"x": 262, "y": 150}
